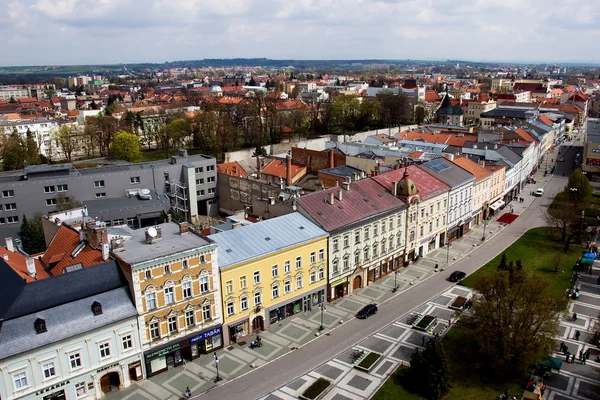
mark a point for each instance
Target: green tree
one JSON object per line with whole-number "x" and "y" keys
{"x": 14, "y": 151}
{"x": 33, "y": 151}
{"x": 252, "y": 82}
{"x": 66, "y": 137}
{"x": 419, "y": 114}
{"x": 179, "y": 130}
{"x": 503, "y": 266}
{"x": 428, "y": 372}
{"x": 32, "y": 234}
{"x": 126, "y": 146}
{"x": 65, "y": 203}
{"x": 512, "y": 323}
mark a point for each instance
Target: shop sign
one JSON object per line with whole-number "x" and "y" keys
{"x": 55, "y": 395}
{"x": 206, "y": 335}
{"x": 335, "y": 283}
{"x": 163, "y": 351}
{"x": 593, "y": 151}
{"x": 427, "y": 239}
{"x": 107, "y": 367}
{"x": 49, "y": 388}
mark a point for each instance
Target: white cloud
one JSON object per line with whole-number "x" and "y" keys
{"x": 106, "y": 31}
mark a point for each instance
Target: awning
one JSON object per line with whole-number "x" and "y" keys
{"x": 590, "y": 255}
{"x": 497, "y": 205}
{"x": 553, "y": 363}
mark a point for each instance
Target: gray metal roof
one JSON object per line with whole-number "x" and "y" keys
{"x": 65, "y": 321}
{"x": 342, "y": 170}
{"x": 61, "y": 289}
{"x": 447, "y": 172}
{"x": 137, "y": 250}
{"x": 156, "y": 203}
{"x": 256, "y": 240}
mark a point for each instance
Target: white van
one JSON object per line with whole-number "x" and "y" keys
{"x": 539, "y": 192}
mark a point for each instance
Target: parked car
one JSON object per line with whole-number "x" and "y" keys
{"x": 539, "y": 192}
{"x": 367, "y": 311}
{"x": 457, "y": 276}
{"x": 561, "y": 159}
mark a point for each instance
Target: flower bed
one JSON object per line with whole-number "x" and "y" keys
{"x": 458, "y": 303}
{"x": 425, "y": 322}
{"x": 317, "y": 390}
{"x": 368, "y": 362}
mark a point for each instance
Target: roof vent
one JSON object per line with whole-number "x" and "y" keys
{"x": 267, "y": 238}
{"x": 40, "y": 326}
{"x": 320, "y": 212}
{"x": 229, "y": 250}
{"x": 96, "y": 308}
{"x": 301, "y": 227}
{"x": 366, "y": 200}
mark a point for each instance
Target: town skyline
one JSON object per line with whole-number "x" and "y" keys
{"x": 125, "y": 32}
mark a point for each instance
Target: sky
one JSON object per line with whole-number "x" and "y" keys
{"x": 59, "y": 32}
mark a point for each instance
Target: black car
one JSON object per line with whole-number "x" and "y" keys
{"x": 367, "y": 311}
{"x": 457, "y": 276}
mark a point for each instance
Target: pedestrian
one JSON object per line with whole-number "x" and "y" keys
{"x": 587, "y": 353}
{"x": 577, "y": 333}
{"x": 598, "y": 281}
{"x": 423, "y": 340}
{"x": 581, "y": 356}
{"x": 568, "y": 356}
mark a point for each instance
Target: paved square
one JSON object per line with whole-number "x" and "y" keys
{"x": 346, "y": 356}
{"x": 294, "y": 332}
{"x": 376, "y": 344}
{"x": 372, "y": 293}
{"x": 583, "y": 310}
{"x": 297, "y": 384}
{"x": 560, "y": 382}
{"x": 339, "y": 396}
{"x": 272, "y": 397}
{"x": 442, "y": 300}
{"x": 403, "y": 353}
{"x": 416, "y": 338}
{"x": 588, "y": 390}
{"x": 460, "y": 292}
{"x": 329, "y": 371}
{"x": 382, "y": 369}
{"x": 393, "y": 331}
{"x": 584, "y": 298}
{"x": 351, "y": 305}
{"x": 360, "y": 383}
{"x": 441, "y": 313}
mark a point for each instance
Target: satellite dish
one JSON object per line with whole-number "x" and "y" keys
{"x": 152, "y": 231}
{"x": 118, "y": 241}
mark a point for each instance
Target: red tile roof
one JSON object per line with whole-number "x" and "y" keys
{"x": 475, "y": 169}
{"x": 366, "y": 198}
{"x": 545, "y": 120}
{"x": 231, "y": 168}
{"x": 278, "y": 168}
{"x": 525, "y": 135}
{"x": 18, "y": 262}
{"x": 28, "y": 100}
{"x": 427, "y": 185}
{"x": 58, "y": 256}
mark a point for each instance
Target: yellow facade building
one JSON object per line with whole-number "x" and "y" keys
{"x": 175, "y": 283}
{"x": 270, "y": 271}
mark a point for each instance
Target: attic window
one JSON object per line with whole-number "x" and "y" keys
{"x": 320, "y": 213}
{"x": 340, "y": 207}
{"x": 366, "y": 200}
{"x": 40, "y": 325}
{"x": 228, "y": 250}
{"x": 96, "y": 308}
{"x": 379, "y": 195}
{"x": 301, "y": 227}
{"x": 267, "y": 238}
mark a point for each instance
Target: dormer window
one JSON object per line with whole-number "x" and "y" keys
{"x": 96, "y": 308}
{"x": 40, "y": 325}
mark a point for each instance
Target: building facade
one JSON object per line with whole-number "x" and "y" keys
{"x": 71, "y": 336}
{"x": 175, "y": 284}
{"x": 366, "y": 233}
{"x": 481, "y": 188}
{"x": 270, "y": 270}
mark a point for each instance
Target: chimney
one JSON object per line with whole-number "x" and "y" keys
{"x": 5, "y": 256}
{"x": 9, "y": 244}
{"x": 483, "y": 163}
{"x": 395, "y": 188}
{"x": 96, "y": 234}
{"x": 346, "y": 185}
{"x": 340, "y": 194}
{"x": 31, "y": 267}
{"x": 183, "y": 227}
{"x": 288, "y": 170}
{"x": 82, "y": 234}
{"x": 105, "y": 251}
{"x": 331, "y": 158}
{"x": 331, "y": 197}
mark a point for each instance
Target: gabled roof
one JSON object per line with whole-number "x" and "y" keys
{"x": 475, "y": 169}
{"x": 364, "y": 199}
{"x": 56, "y": 290}
{"x": 18, "y": 263}
{"x": 446, "y": 108}
{"x": 545, "y": 120}
{"x": 525, "y": 135}
{"x": 263, "y": 238}
{"x": 61, "y": 249}
{"x": 278, "y": 168}
{"x": 231, "y": 168}
{"x": 427, "y": 184}
{"x": 448, "y": 172}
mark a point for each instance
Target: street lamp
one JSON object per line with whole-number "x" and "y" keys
{"x": 447, "y": 252}
{"x": 323, "y": 309}
{"x": 218, "y": 378}
{"x": 484, "y": 226}
{"x": 395, "y": 285}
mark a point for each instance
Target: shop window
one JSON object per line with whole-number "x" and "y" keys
{"x": 80, "y": 389}
{"x": 154, "y": 331}
{"x": 206, "y": 313}
{"x": 244, "y": 303}
{"x": 127, "y": 342}
{"x": 172, "y": 323}
{"x": 189, "y": 318}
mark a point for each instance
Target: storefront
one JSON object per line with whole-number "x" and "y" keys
{"x": 338, "y": 288}
{"x": 496, "y": 206}
{"x": 239, "y": 330}
{"x": 296, "y": 305}
{"x": 188, "y": 348}
{"x": 385, "y": 267}
{"x": 453, "y": 234}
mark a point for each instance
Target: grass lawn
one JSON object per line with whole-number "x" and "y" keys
{"x": 539, "y": 253}
{"x": 392, "y": 389}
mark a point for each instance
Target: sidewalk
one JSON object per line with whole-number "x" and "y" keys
{"x": 292, "y": 333}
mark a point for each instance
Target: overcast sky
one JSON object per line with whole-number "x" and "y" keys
{"x": 42, "y": 32}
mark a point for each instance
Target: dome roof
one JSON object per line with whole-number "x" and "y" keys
{"x": 406, "y": 186}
